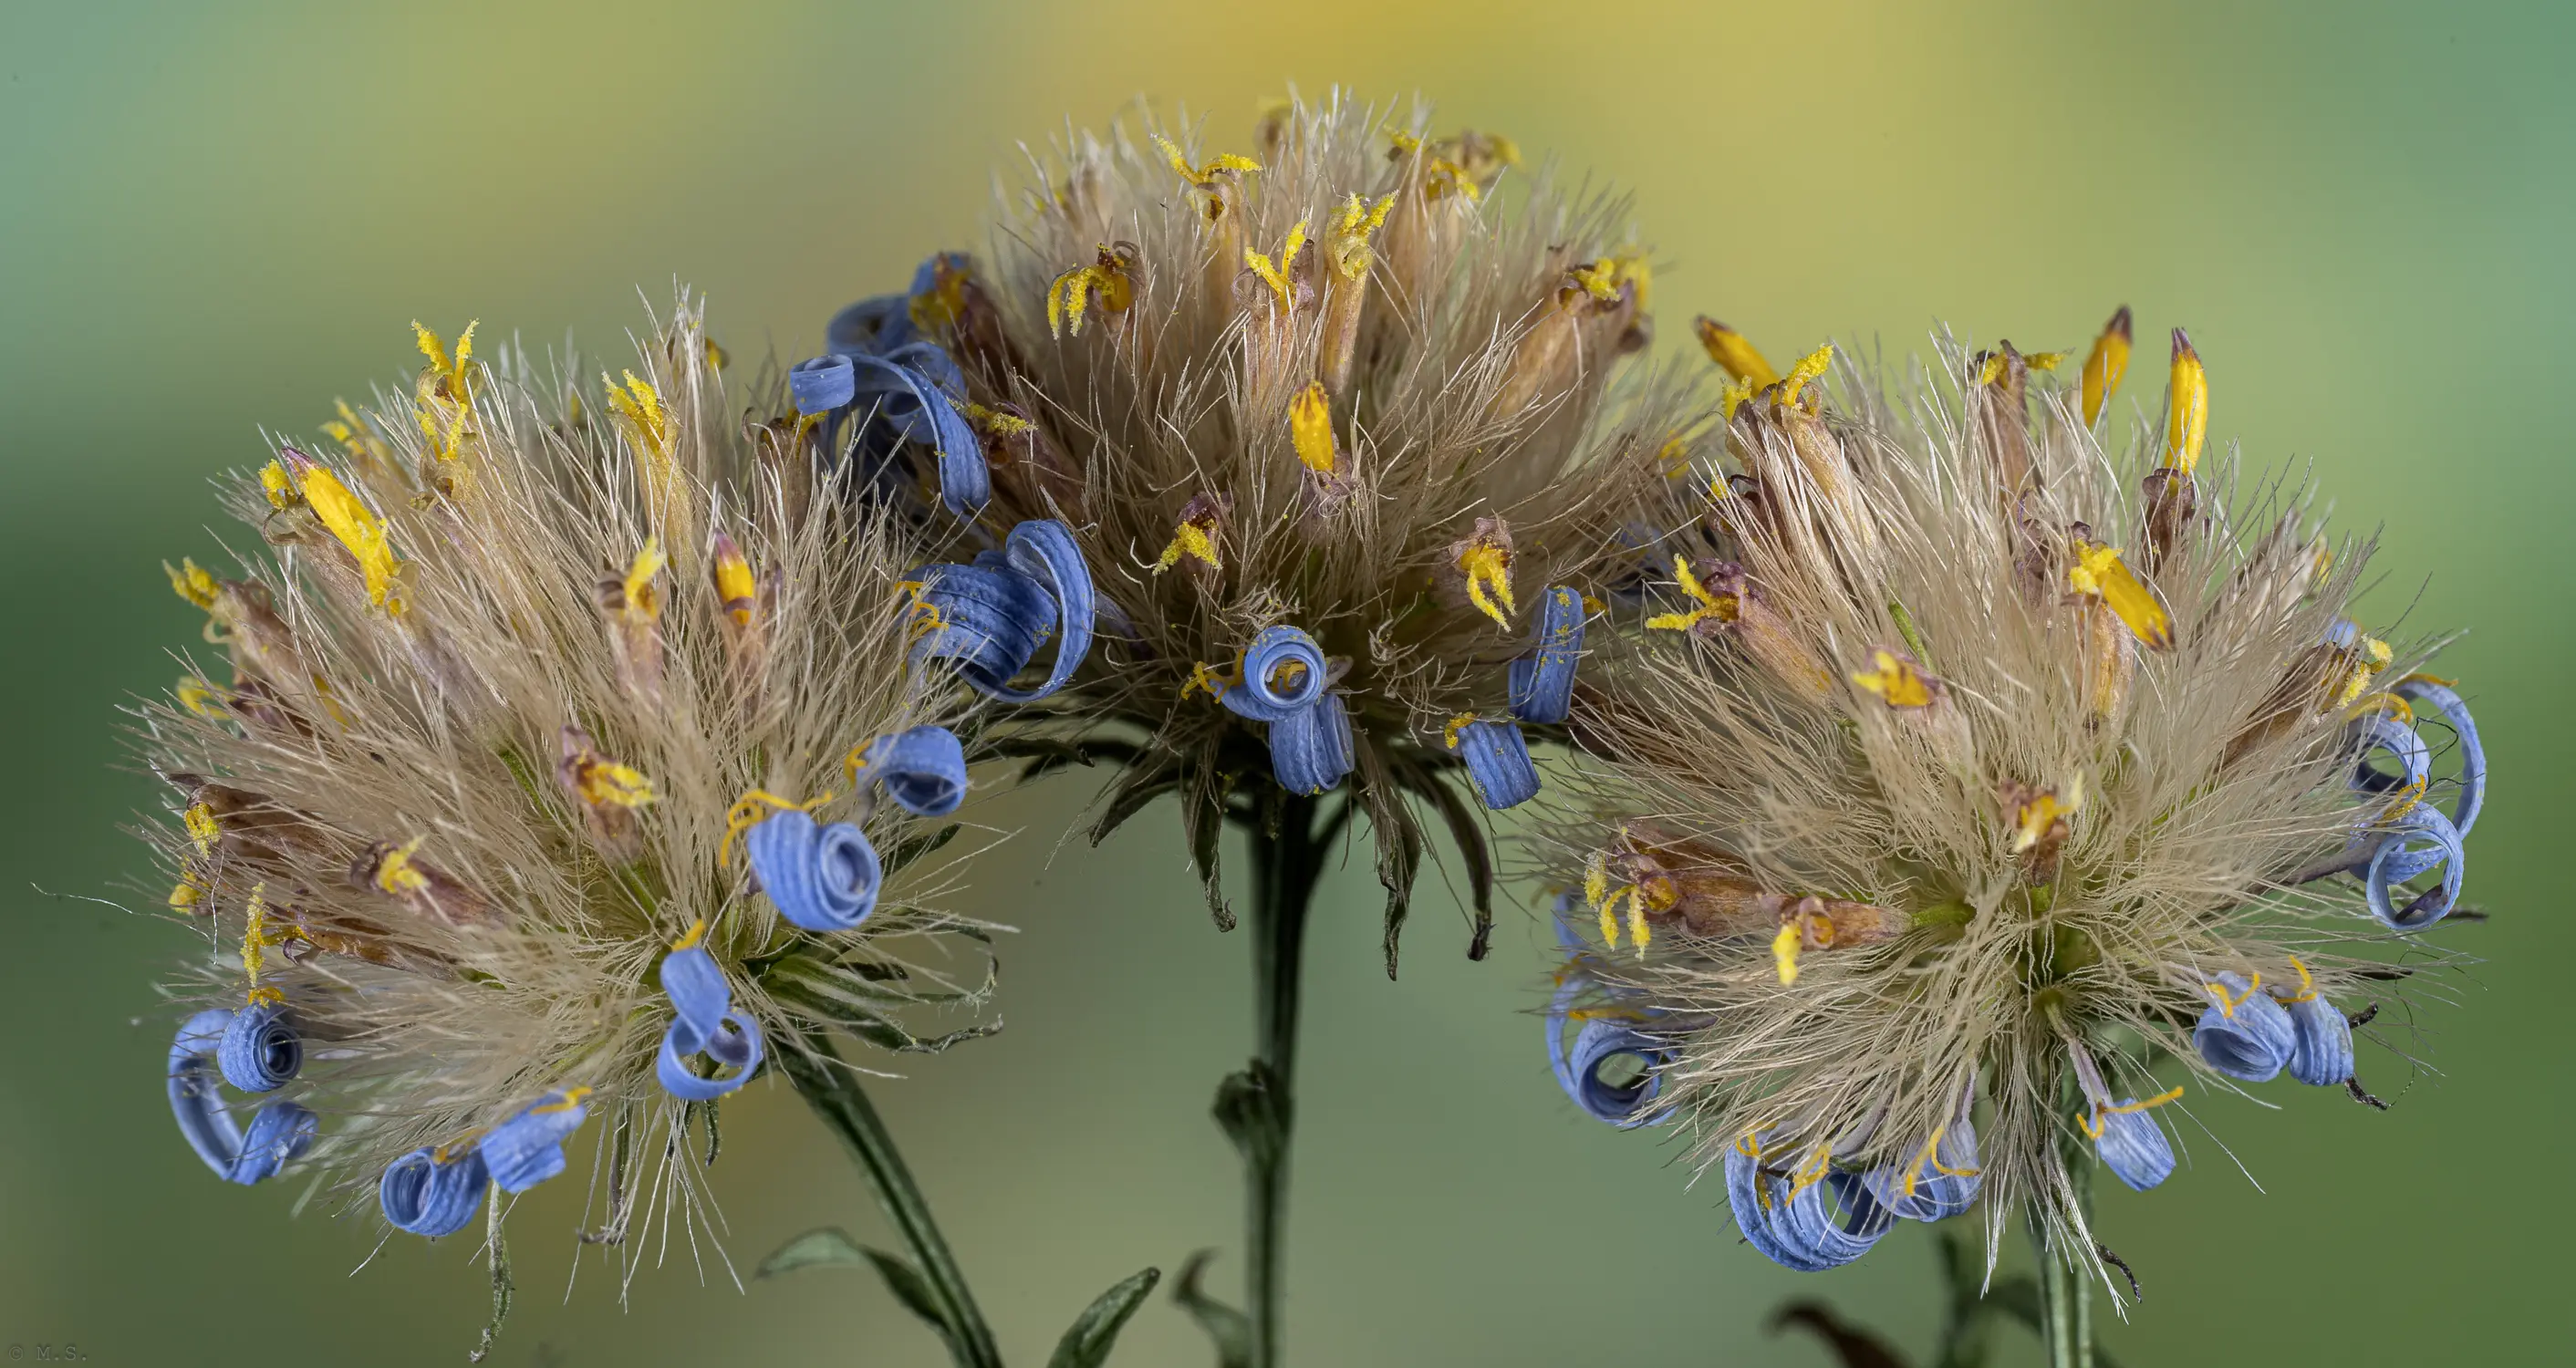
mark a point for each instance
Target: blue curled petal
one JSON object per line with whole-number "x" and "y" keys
{"x": 261, "y": 1049}
{"x": 696, "y": 986}
{"x": 2415, "y": 843}
{"x": 823, "y": 878}
{"x": 1283, "y": 672}
{"x": 2473, "y": 756}
{"x": 916, "y": 390}
{"x": 1811, "y": 1221}
{"x": 924, "y": 770}
{"x": 2134, "y": 1148}
{"x": 1543, "y": 681}
{"x": 279, "y": 1134}
{"x": 875, "y": 324}
{"x": 1044, "y": 552}
{"x": 1621, "y": 1104}
{"x": 822, "y": 384}
{"x": 994, "y": 616}
{"x": 1944, "y": 1182}
{"x": 1560, "y": 1012}
{"x": 2252, "y": 1042}
{"x": 195, "y": 1102}
{"x": 2414, "y": 761}
{"x": 1498, "y": 761}
{"x": 422, "y": 1196}
{"x": 1756, "y": 1198}
{"x": 735, "y": 1041}
{"x": 527, "y": 1149}
{"x": 1310, "y": 748}
{"x": 2322, "y": 1053}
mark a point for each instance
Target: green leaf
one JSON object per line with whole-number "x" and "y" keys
{"x": 1852, "y": 1346}
{"x": 850, "y": 999}
{"x": 829, "y": 1245}
{"x": 1230, "y": 1328}
{"x": 1087, "y": 1344}
{"x": 1398, "y": 859}
{"x": 1203, "y": 822}
{"x": 913, "y": 1290}
{"x": 1247, "y": 1109}
{"x": 1469, "y": 836}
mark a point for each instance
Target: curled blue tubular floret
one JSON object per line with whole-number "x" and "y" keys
{"x": 1936, "y": 1182}
{"x": 923, "y": 769}
{"x": 279, "y": 1131}
{"x": 1810, "y": 1225}
{"x": 703, "y": 1021}
{"x": 1287, "y": 683}
{"x": 2419, "y": 840}
{"x": 527, "y": 1149}
{"x": 2132, "y": 1146}
{"x": 914, "y": 387}
{"x": 2321, "y": 1052}
{"x": 823, "y": 878}
{"x": 1542, "y": 682}
{"x": 991, "y": 616}
{"x": 1498, "y": 760}
{"x": 429, "y": 1192}
{"x": 2422, "y": 690}
{"x": 2243, "y": 1034}
{"x": 261, "y": 1050}
{"x": 1597, "y": 1041}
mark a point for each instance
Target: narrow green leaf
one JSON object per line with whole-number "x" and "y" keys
{"x": 1203, "y": 822}
{"x": 1087, "y": 1344}
{"x": 1230, "y": 1328}
{"x": 913, "y": 1290}
{"x": 829, "y": 1245}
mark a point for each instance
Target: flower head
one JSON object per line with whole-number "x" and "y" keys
{"x": 549, "y": 796}
{"x": 1972, "y": 799}
{"x": 1331, "y": 391}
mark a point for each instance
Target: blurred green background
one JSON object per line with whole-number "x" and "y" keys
{"x": 215, "y": 218}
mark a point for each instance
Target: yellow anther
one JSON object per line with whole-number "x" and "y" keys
{"x": 1736, "y": 357}
{"x": 689, "y": 939}
{"x": 1784, "y": 951}
{"x": 2099, "y": 573}
{"x": 2368, "y": 659}
{"x": 447, "y": 393}
{"x": 2042, "y": 361}
{"x": 255, "y": 937}
{"x": 1275, "y": 273}
{"x": 648, "y": 426}
{"x": 643, "y": 601}
{"x": 606, "y": 783}
{"x": 2105, "y": 364}
{"x": 943, "y": 301}
{"x": 1194, "y": 537}
{"x": 1449, "y": 733}
{"x": 994, "y": 422}
{"x": 355, "y": 526}
{"x": 1106, "y": 284}
{"x": 1204, "y": 177}
{"x": 199, "y": 697}
{"x": 1310, "y": 428}
{"x": 1819, "y": 1162}
{"x": 264, "y": 997}
{"x": 1638, "y": 930}
{"x": 1596, "y": 878}
{"x": 188, "y": 892}
{"x": 736, "y": 587}
{"x": 394, "y": 873}
{"x": 350, "y": 431}
{"x": 2226, "y": 1005}
{"x": 1733, "y": 398}
{"x": 1712, "y": 606}
{"x": 1895, "y": 681}
{"x": 278, "y": 486}
{"x": 192, "y": 583}
{"x": 2093, "y": 1124}
{"x": 1486, "y": 560}
{"x": 1610, "y": 915}
{"x": 1810, "y": 367}
{"x": 2040, "y": 811}
{"x": 748, "y": 811}
{"x": 1346, "y": 237}
{"x": 1602, "y": 278}
{"x": 200, "y": 822}
{"x": 2307, "y": 983}
{"x": 1209, "y": 677}
{"x": 2187, "y": 425}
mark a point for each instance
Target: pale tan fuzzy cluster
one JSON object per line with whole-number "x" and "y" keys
{"x": 1896, "y": 753}
{"x": 1444, "y": 337}
{"x": 475, "y": 769}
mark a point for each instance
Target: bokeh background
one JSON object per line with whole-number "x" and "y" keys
{"x": 213, "y": 219}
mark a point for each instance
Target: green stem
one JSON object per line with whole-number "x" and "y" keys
{"x": 1286, "y": 866}
{"x": 835, "y": 1095}
{"x": 2065, "y": 1287}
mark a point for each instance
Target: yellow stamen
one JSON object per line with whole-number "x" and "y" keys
{"x": 449, "y": 381}
{"x": 1346, "y": 237}
{"x": 1487, "y": 563}
{"x": 394, "y": 873}
{"x": 1310, "y": 427}
{"x": 2041, "y": 811}
{"x": 994, "y": 422}
{"x": 1204, "y": 177}
{"x": 603, "y": 782}
{"x": 193, "y": 584}
{"x": 689, "y": 939}
{"x": 748, "y": 811}
{"x": 572, "y": 1097}
{"x": 278, "y": 486}
{"x": 1602, "y": 278}
{"x": 1895, "y": 681}
{"x": 736, "y": 587}
{"x": 199, "y": 697}
{"x": 2368, "y": 660}
{"x": 2187, "y": 424}
{"x": 1784, "y": 950}
{"x": 1104, "y": 285}
{"x": 1457, "y": 724}
{"x": 1192, "y": 540}
{"x": 188, "y": 892}
{"x": 2099, "y": 573}
{"x": 1809, "y": 368}
{"x": 2093, "y": 1124}
{"x": 1215, "y": 681}
{"x": 356, "y": 527}
{"x": 2042, "y": 361}
{"x": 1736, "y": 357}
{"x": 2104, "y": 366}
{"x": 643, "y": 601}
{"x": 2227, "y": 1006}
{"x": 1712, "y": 606}
{"x": 639, "y": 410}
{"x": 255, "y": 937}
{"x": 352, "y": 434}
{"x": 1275, "y": 274}
{"x": 1596, "y": 878}
{"x": 1638, "y": 930}
{"x": 200, "y": 822}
